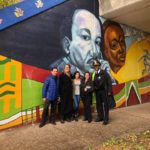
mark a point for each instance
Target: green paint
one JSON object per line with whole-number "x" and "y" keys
{"x": 7, "y": 83}
{"x": 134, "y": 84}
{"x": 2, "y": 70}
{"x": 13, "y": 109}
{"x": 7, "y": 93}
{"x": 13, "y": 73}
{"x": 119, "y": 95}
{"x": 13, "y": 103}
{"x": 2, "y": 62}
{"x": 144, "y": 84}
{"x": 1, "y": 107}
{"x": 31, "y": 93}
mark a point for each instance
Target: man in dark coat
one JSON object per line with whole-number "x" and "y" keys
{"x": 103, "y": 89}
{"x": 66, "y": 94}
{"x": 50, "y": 96}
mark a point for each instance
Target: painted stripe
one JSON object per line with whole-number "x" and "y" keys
{"x": 5, "y": 61}
{"x": 23, "y": 10}
{"x": 144, "y": 90}
{"x": 7, "y": 83}
{"x": 14, "y": 117}
{"x": 120, "y": 103}
{"x": 144, "y": 84}
{"x": 7, "y": 93}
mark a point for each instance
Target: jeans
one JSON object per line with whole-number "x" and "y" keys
{"x": 76, "y": 103}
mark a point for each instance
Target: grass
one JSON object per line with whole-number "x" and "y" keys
{"x": 132, "y": 141}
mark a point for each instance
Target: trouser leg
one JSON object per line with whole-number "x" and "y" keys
{"x": 99, "y": 106}
{"x": 45, "y": 112}
{"x": 88, "y": 109}
{"x": 105, "y": 106}
{"x": 53, "y": 111}
{"x": 76, "y": 105}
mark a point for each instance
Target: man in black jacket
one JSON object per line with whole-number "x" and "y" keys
{"x": 103, "y": 89}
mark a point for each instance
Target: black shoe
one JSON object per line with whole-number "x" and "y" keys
{"x": 98, "y": 120}
{"x": 85, "y": 119}
{"x": 62, "y": 121}
{"x": 76, "y": 119}
{"x": 68, "y": 119}
{"x": 105, "y": 122}
{"x": 41, "y": 125}
{"x": 89, "y": 121}
{"x": 53, "y": 122}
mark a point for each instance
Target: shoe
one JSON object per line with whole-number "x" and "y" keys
{"x": 85, "y": 119}
{"x": 98, "y": 120}
{"x": 62, "y": 121}
{"x": 53, "y": 122}
{"x": 89, "y": 121}
{"x": 105, "y": 122}
{"x": 68, "y": 119}
{"x": 41, "y": 125}
{"x": 76, "y": 119}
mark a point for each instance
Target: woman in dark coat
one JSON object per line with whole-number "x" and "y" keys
{"x": 86, "y": 96}
{"x": 66, "y": 94}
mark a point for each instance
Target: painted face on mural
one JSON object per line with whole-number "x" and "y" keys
{"x": 115, "y": 47}
{"x": 86, "y": 40}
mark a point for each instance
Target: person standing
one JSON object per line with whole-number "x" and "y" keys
{"x": 76, "y": 93}
{"x": 103, "y": 89}
{"x": 66, "y": 94}
{"x": 86, "y": 96}
{"x": 50, "y": 96}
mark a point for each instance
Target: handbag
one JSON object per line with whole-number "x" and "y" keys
{"x": 111, "y": 102}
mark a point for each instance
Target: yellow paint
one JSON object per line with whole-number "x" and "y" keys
{"x": 144, "y": 90}
{"x": 134, "y": 65}
{"x": 18, "y": 121}
{"x": 11, "y": 124}
{"x": 120, "y": 102}
{"x": 7, "y": 104}
{"x": 16, "y": 89}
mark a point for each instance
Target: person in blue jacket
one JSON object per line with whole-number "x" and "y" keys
{"x": 50, "y": 95}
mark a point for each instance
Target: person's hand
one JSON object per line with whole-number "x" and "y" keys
{"x": 85, "y": 89}
{"x": 44, "y": 99}
{"x": 109, "y": 93}
{"x": 58, "y": 100}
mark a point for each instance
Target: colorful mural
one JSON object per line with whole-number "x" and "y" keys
{"x": 29, "y": 47}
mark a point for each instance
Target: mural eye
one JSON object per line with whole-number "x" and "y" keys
{"x": 98, "y": 41}
{"x": 122, "y": 42}
{"x": 85, "y": 37}
{"x": 114, "y": 45}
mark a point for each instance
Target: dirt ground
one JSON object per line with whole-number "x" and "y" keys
{"x": 79, "y": 135}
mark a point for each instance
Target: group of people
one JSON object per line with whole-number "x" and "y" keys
{"x": 67, "y": 90}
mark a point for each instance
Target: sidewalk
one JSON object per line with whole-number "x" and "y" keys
{"x": 77, "y": 135}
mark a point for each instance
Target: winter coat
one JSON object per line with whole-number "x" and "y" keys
{"x": 90, "y": 88}
{"x": 50, "y": 88}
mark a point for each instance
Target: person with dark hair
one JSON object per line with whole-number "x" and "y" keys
{"x": 50, "y": 95}
{"x": 84, "y": 42}
{"x": 103, "y": 89}
{"x": 86, "y": 96}
{"x": 114, "y": 45}
{"x": 66, "y": 94}
{"x": 76, "y": 93}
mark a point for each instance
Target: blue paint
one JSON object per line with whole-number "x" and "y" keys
{"x": 8, "y": 18}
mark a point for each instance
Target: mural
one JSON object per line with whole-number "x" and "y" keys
{"x": 53, "y": 35}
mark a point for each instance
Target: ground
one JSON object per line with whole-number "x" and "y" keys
{"x": 81, "y": 135}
